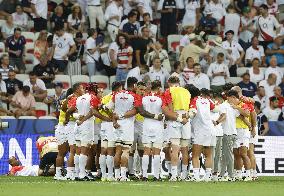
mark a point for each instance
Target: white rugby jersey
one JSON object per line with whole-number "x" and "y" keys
{"x": 266, "y": 27}
{"x": 124, "y": 101}
{"x": 202, "y": 122}
{"x": 85, "y": 102}
{"x": 153, "y": 103}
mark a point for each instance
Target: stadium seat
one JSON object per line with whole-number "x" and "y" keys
{"x": 7, "y": 117}
{"x": 2, "y": 53}
{"x": 50, "y": 92}
{"x": 28, "y": 117}
{"x": 30, "y": 36}
{"x": 2, "y": 47}
{"x": 103, "y": 81}
{"x": 173, "y": 42}
{"x": 234, "y": 80}
{"x": 64, "y": 79}
{"x": 80, "y": 79}
{"x": 41, "y": 109}
{"x": 241, "y": 71}
{"x": 30, "y": 47}
{"x": 48, "y": 117}
{"x": 29, "y": 58}
{"x": 111, "y": 80}
{"x": 29, "y": 68}
{"x": 30, "y": 24}
{"x": 107, "y": 91}
{"x": 22, "y": 77}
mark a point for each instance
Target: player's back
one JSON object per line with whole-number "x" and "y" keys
{"x": 83, "y": 104}
{"x": 180, "y": 98}
{"x": 152, "y": 103}
{"x": 46, "y": 145}
{"x": 123, "y": 102}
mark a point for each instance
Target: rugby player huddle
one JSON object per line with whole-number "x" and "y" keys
{"x": 181, "y": 121}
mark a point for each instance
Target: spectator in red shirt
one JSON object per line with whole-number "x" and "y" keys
{"x": 278, "y": 93}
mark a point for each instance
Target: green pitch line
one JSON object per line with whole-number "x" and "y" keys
{"x": 42, "y": 186}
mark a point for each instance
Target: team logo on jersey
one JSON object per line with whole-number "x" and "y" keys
{"x": 123, "y": 98}
{"x": 153, "y": 100}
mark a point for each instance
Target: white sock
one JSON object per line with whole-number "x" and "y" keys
{"x": 239, "y": 173}
{"x": 184, "y": 171}
{"x": 248, "y": 173}
{"x": 169, "y": 166}
{"x": 123, "y": 172}
{"x": 254, "y": 173}
{"x": 156, "y": 168}
{"x": 102, "y": 161}
{"x": 117, "y": 173}
{"x": 76, "y": 163}
{"x": 174, "y": 171}
{"x": 70, "y": 172}
{"x": 131, "y": 165}
{"x": 82, "y": 165}
{"x": 196, "y": 173}
{"x": 109, "y": 163}
{"x": 140, "y": 165}
{"x": 179, "y": 167}
{"x": 58, "y": 172}
{"x": 145, "y": 164}
{"x": 208, "y": 172}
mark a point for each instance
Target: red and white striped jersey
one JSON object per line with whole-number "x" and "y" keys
{"x": 123, "y": 56}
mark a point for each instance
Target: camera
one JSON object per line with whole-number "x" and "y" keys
{"x": 3, "y": 125}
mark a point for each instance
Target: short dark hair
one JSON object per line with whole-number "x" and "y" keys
{"x": 91, "y": 32}
{"x": 76, "y": 86}
{"x": 220, "y": 54}
{"x": 144, "y": 66}
{"x": 193, "y": 90}
{"x": 205, "y": 92}
{"x": 131, "y": 14}
{"x": 131, "y": 81}
{"x": 141, "y": 84}
{"x": 156, "y": 84}
{"x": 176, "y": 64}
{"x": 58, "y": 28}
{"x": 115, "y": 86}
{"x": 26, "y": 89}
{"x": 173, "y": 80}
{"x": 17, "y": 29}
{"x": 69, "y": 92}
{"x": 32, "y": 73}
{"x": 228, "y": 86}
{"x": 233, "y": 93}
{"x": 264, "y": 6}
{"x": 257, "y": 105}
{"x": 188, "y": 59}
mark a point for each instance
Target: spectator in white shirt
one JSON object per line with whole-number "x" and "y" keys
{"x": 39, "y": 10}
{"x": 255, "y": 51}
{"x": 260, "y": 97}
{"x": 76, "y": 20}
{"x": 217, "y": 8}
{"x": 269, "y": 85}
{"x": 273, "y": 112}
{"x": 145, "y": 6}
{"x": 256, "y": 74}
{"x": 192, "y": 12}
{"x": 274, "y": 69}
{"x": 20, "y": 18}
{"x": 92, "y": 51}
{"x": 139, "y": 72}
{"x": 235, "y": 51}
{"x": 7, "y": 29}
{"x": 157, "y": 72}
{"x": 218, "y": 72}
{"x": 232, "y": 21}
{"x": 152, "y": 27}
{"x": 63, "y": 47}
{"x": 113, "y": 15}
{"x": 37, "y": 86}
{"x": 177, "y": 72}
{"x": 200, "y": 80}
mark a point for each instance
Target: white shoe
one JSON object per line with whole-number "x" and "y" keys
{"x": 172, "y": 179}
{"x": 215, "y": 178}
{"x": 223, "y": 179}
{"x": 247, "y": 178}
{"x": 207, "y": 179}
{"x": 59, "y": 178}
{"x": 124, "y": 179}
{"x": 193, "y": 179}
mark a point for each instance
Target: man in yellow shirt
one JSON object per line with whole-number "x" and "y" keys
{"x": 107, "y": 136}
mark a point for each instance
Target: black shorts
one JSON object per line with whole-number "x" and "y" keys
{"x": 60, "y": 64}
{"x": 47, "y": 160}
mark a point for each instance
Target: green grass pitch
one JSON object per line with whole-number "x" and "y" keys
{"x": 42, "y": 186}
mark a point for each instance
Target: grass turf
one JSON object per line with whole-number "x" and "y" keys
{"x": 43, "y": 186}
